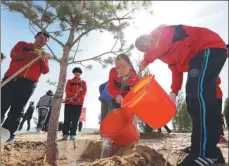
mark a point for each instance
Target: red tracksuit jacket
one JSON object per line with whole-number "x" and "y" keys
{"x": 219, "y": 93}
{"x": 114, "y": 83}
{"x": 76, "y": 89}
{"x": 176, "y": 45}
{"x": 22, "y": 54}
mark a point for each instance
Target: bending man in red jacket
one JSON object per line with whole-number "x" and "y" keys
{"x": 75, "y": 90}
{"x": 17, "y": 92}
{"x": 202, "y": 53}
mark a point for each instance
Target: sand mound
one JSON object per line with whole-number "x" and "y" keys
{"x": 24, "y": 153}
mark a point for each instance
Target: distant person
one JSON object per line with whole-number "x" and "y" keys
{"x": 60, "y": 126}
{"x": 43, "y": 106}
{"x": 80, "y": 126}
{"x": 27, "y": 116}
{"x": 46, "y": 123}
{"x": 2, "y": 57}
{"x": 76, "y": 89}
{"x": 105, "y": 99}
{"x": 121, "y": 79}
{"x": 166, "y": 128}
{"x": 18, "y": 91}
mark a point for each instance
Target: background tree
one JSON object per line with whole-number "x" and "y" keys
{"x": 75, "y": 19}
{"x": 182, "y": 121}
{"x": 225, "y": 111}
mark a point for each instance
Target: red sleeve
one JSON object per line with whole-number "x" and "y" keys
{"x": 44, "y": 66}
{"x": 177, "y": 79}
{"x": 112, "y": 89}
{"x": 218, "y": 81}
{"x": 18, "y": 53}
{"x": 162, "y": 40}
{"x": 68, "y": 89}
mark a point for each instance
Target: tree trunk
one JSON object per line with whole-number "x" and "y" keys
{"x": 52, "y": 150}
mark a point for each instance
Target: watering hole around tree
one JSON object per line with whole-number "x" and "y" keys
{"x": 79, "y": 153}
{"x": 28, "y": 149}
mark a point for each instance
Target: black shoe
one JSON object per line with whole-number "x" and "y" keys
{"x": 201, "y": 161}
{"x": 186, "y": 150}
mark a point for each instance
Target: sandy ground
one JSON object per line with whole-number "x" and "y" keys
{"x": 28, "y": 149}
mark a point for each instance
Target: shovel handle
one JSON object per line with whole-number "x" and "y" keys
{"x": 19, "y": 71}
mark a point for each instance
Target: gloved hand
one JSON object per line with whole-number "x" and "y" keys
{"x": 173, "y": 97}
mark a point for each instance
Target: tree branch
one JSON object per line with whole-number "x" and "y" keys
{"x": 108, "y": 52}
{"x": 85, "y": 32}
{"x": 51, "y": 36}
{"x": 54, "y": 56}
{"x": 76, "y": 51}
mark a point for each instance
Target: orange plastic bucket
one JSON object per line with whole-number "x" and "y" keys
{"x": 150, "y": 103}
{"x": 119, "y": 127}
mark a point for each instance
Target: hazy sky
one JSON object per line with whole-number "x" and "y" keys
{"x": 210, "y": 14}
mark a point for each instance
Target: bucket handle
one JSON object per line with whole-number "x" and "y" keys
{"x": 137, "y": 96}
{"x": 130, "y": 121}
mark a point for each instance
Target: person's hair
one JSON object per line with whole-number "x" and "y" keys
{"x": 42, "y": 33}
{"x": 77, "y": 70}
{"x": 125, "y": 58}
{"x": 2, "y": 56}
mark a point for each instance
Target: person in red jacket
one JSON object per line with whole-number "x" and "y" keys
{"x": 17, "y": 92}
{"x": 202, "y": 53}
{"x": 75, "y": 90}
{"x": 219, "y": 95}
{"x": 121, "y": 79}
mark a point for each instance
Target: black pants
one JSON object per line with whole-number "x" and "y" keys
{"x": 166, "y": 128}
{"x": 106, "y": 107}
{"x": 204, "y": 70}
{"x": 219, "y": 108}
{"x": 71, "y": 118}
{"x": 23, "y": 121}
{"x": 15, "y": 96}
{"x": 42, "y": 115}
{"x": 80, "y": 126}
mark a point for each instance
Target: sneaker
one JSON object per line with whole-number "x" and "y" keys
{"x": 201, "y": 161}
{"x": 223, "y": 139}
{"x": 11, "y": 138}
{"x": 65, "y": 137}
{"x": 38, "y": 130}
{"x": 73, "y": 137}
{"x": 186, "y": 150}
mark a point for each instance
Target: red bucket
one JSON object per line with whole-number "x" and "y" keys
{"x": 119, "y": 127}
{"x": 150, "y": 103}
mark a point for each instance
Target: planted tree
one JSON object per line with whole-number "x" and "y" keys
{"x": 76, "y": 19}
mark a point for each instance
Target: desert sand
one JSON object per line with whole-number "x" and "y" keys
{"x": 28, "y": 149}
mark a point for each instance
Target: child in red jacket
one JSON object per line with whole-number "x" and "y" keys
{"x": 75, "y": 90}
{"x": 202, "y": 53}
{"x": 121, "y": 79}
